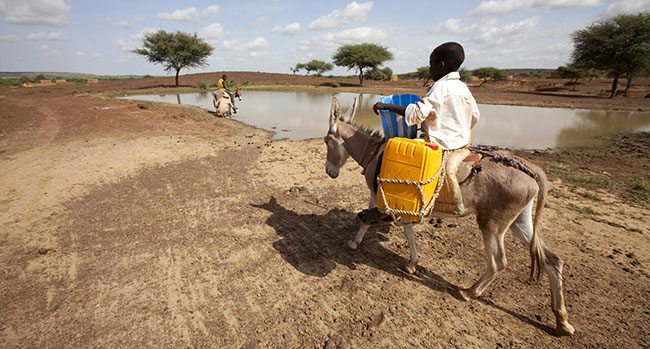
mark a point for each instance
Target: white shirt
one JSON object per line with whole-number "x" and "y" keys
{"x": 447, "y": 113}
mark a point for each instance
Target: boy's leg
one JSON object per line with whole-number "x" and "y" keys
{"x": 451, "y": 199}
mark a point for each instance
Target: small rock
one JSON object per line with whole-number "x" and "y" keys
{"x": 335, "y": 342}
{"x": 451, "y": 225}
{"x": 630, "y": 255}
{"x": 43, "y": 250}
{"x": 300, "y": 190}
{"x": 143, "y": 106}
{"x": 628, "y": 270}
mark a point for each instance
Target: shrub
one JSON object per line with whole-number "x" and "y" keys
{"x": 465, "y": 75}
{"x": 379, "y": 74}
{"x": 335, "y": 84}
{"x": 201, "y": 85}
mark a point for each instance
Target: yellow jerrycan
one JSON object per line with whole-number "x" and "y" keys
{"x": 407, "y": 160}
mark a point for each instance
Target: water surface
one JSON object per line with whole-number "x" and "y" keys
{"x": 302, "y": 115}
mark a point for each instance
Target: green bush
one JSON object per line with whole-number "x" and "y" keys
{"x": 465, "y": 75}
{"x": 201, "y": 85}
{"x": 335, "y": 84}
{"x": 379, "y": 74}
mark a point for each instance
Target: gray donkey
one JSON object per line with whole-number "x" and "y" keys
{"x": 500, "y": 196}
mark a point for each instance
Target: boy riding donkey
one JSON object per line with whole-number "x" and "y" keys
{"x": 446, "y": 114}
{"x": 227, "y": 105}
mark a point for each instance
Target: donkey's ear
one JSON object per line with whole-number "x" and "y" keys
{"x": 335, "y": 113}
{"x": 350, "y": 113}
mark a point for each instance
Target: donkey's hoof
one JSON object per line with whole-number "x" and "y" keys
{"x": 352, "y": 245}
{"x": 463, "y": 294}
{"x": 564, "y": 330}
{"x": 410, "y": 267}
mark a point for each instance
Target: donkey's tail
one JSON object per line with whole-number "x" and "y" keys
{"x": 537, "y": 255}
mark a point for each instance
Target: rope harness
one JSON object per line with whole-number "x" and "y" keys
{"x": 425, "y": 209}
{"x": 441, "y": 174}
{"x": 509, "y": 161}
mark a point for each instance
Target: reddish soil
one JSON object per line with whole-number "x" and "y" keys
{"x": 142, "y": 224}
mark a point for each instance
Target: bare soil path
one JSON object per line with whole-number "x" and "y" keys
{"x": 137, "y": 224}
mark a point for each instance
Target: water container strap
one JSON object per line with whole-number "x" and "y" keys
{"x": 418, "y": 184}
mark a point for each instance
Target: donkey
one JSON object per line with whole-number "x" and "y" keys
{"x": 500, "y": 196}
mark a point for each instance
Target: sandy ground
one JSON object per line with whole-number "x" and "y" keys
{"x": 137, "y": 224}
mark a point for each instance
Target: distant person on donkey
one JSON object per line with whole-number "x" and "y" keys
{"x": 221, "y": 86}
{"x": 447, "y": 113}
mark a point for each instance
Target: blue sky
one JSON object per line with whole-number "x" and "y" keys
{"x": 94, "y": 36}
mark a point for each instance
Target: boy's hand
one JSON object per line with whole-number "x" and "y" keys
{"x": 377, "y": 107}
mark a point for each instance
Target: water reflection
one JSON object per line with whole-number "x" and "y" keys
{"x": 300, "y": 115}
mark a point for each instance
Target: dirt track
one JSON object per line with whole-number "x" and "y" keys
{"x": 155, "y": 225}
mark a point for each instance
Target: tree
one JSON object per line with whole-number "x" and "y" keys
{"x": 575, "y": 72}
{"x": 361, "y": 56}
{"x": 314, "y": 65}
{"x": 175, "y": 51}
{"x": 620, "y": 45}
{"x": 490, "y": 73}
{"x": 465, "y": 75}
{"x": 379, "y": 74}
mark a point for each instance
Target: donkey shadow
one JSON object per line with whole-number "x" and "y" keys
{"x": 314, "y": 245}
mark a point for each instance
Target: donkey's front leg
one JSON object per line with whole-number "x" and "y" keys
{"x": 408, "y": 231}
{"x": 358, "y": 237}
{"x": 354, "y": 243}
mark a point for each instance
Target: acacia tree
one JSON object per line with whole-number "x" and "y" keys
{"x": 575, "y": 72}
{"x": 175, "y": 51}
{"x": 361, "y": 56}
{"x": 490, "y": 73}
{"x": 314, "y": 65}
{"x": 620, "y": 45}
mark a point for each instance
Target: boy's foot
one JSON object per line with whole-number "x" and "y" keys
{"x": 373, "y": 216}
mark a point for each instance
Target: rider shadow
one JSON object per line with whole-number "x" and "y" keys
{"x": 314, "y": 245}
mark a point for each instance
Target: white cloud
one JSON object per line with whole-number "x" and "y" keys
{"x": 498, "y": 7}
{"x": 49, "y": 52}
{"x": 134, "y": 40}
{"x": 558, "y": 4}
{"x": 486, "y": 33}
{"x": 255, "y": 48}
{"x": 329, "y": 41}
{"x": 290, "y": 29}
{"x": 259, "y": 20}
{"x": 43, "y": 12}
{"x": 9, "y": 37}
{"x": 188, "y": 14}
{"x": 211, "y": 10}
{"x": 627, "y": 7}
{"x": 212, "y": 33}
{"x": 501, "y": 7}
{"x": 353, "y": 12}
{"x": 47, "y": 36}
{"x": 510, "y": 34}
{"x": 127, "y": 23}
{"x": 451, "y": 26}
{"x": 80, "y": 54}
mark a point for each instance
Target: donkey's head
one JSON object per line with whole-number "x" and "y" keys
{"x": 336, "y": 153}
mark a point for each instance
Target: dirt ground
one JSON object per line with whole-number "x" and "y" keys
{"x": 130, "y": 224}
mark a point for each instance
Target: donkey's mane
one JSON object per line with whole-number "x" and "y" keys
{"x": 376, "y": 134}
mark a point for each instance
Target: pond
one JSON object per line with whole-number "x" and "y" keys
{"x": 302, "y": 115}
